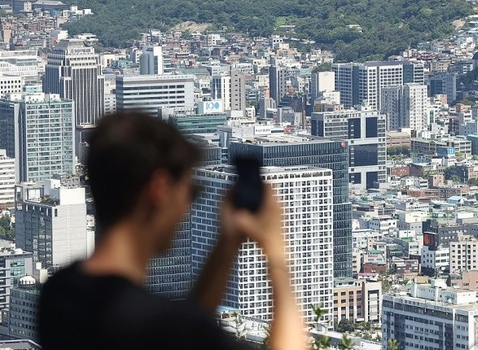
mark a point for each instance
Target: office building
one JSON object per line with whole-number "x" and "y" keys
{"x": 50, "y": 222}
{"x": 306, "y": 196}
{"x": 7, "y": 179}
{"x": 406, "y": 106}
{"x": 284, "y": 151}
{"x": 153, "y": 92}
{"x": 277, "y": 82}
{"x": 221, "y": 90}
{"x": 197, "y": 123}
{"x": 73, "y": 71}
{"x": 238, "y": 91}
{"x": 360, "y": 83}
{"x": 432, "y": 316}
{"x": 443, "y": 83}
{"x": 151, "y": 61}
{"x": 20, "y": 63}
{"x": 23, "y": 313}
{"x": 38, "y": 131}
{"x": 364, "y": 131}
{"x": 170, "y": 273}
{"x": 357, "y": 300}
{"x": 321, "y": 82}
{"x": 14, "y": 264}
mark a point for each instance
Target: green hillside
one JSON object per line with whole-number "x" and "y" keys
{"x": 387, "y": 26}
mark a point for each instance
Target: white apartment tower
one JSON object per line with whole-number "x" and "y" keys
{"x": 360, "y": 83}
{"x": 51, "y": 222}
{"x": 151, "y": 61}
{"x": 7, "y": 179}
{"x": 221, "y": 90}
{"x": 406, "y": 106}
{"x": 305, "y": 194}
{"x": 464, "y": 254}
{"x": 73, "y": 71}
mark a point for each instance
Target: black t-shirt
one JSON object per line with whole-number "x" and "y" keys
{"x": 81, "y": 311}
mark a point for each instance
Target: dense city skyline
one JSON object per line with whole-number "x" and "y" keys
{"x": 374, "y": 162}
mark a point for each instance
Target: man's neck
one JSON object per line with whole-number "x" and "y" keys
{"x": 120, "y": 252}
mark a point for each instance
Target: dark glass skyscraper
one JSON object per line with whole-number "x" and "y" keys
{"x": 292, "y": 151}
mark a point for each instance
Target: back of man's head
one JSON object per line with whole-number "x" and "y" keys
{"x": 124, "y": 151}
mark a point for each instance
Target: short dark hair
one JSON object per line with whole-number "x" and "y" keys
{"x": 125, "y": 149}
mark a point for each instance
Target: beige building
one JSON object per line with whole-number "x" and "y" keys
{"x": 463, "y": 254}
{"x": 357, "y": 300}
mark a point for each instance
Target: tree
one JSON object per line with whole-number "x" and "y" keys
{"x": 347, "y": 343}
{"x": 322, "y": 341}
{"x": 393, "y": 344}
{"x": 6, "y": 230}
{"x": 324, "y": 67}
{"x": 472, "y": 182}
{"x": 345, "y": 326}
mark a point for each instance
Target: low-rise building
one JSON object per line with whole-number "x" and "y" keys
{"x": 432, "y": 316}
{"x": 357, "y": 300}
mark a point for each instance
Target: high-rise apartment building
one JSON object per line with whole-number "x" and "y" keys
{"x": 38, "y": 131}
{"x": 406, "y": 106}
{"x": 238, "y": 91}
{"x": 287, "y": 151}
{"x": 221, "y": 90}
{"x": 306, "y": 196}
{"x": 7, "y": 179}
{"x": 464, "y": 254}
{"x": 277, "y": 82}
{"x": 151, "y": 61}
{"x": 364, "y": 131}
{"x": 153, "y": 92}
{"x": 361, "y": 83}
{"x": 432, "y": 316}
{"x": 73, "y": 71}
{"x": 50, "y": 222}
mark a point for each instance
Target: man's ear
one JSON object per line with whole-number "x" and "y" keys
{"x": 157, "y": 189}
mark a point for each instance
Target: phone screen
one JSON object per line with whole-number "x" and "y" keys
{"x": 248, "y": 192}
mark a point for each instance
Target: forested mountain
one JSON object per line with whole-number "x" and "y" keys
{"x": 387, "y": 25}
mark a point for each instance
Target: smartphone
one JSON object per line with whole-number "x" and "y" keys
{"x": 248, "y": 191}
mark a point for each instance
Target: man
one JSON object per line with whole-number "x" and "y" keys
{"x": 139, "y": 172}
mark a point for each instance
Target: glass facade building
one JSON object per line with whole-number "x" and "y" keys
{"x": 38, "y": 132}
{"x": 301, "y": 150}
{"x": 364, "y": 130}
{"x": 197, "y": 123}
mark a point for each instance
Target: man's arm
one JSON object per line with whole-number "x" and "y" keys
{"x": 210, "y": 285}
